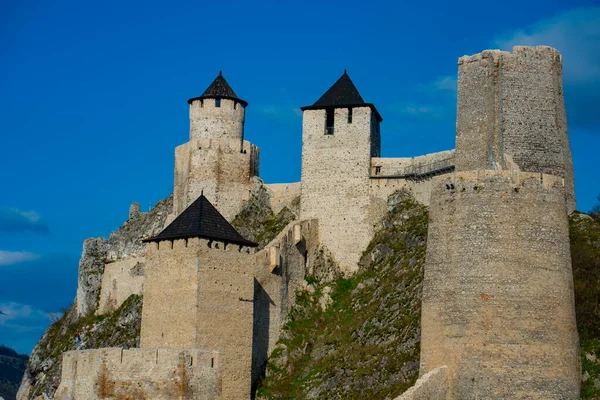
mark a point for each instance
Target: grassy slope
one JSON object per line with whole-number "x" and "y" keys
{"x": 365, "y": 344}
{"x": 585, "y": 254}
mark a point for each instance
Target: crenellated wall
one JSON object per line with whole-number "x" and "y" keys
{"x": 513, "y": 105}
{"x": 279, "y": 272}
{"x": 498, "y": 306}
{"x": 158, "y": 374}
{"x": 221, "y": 168}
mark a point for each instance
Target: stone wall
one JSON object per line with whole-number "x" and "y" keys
{"x": 221, "y": 168}
{"x": 279, "y": 272}
{"x": 210, "y": 122}
{"x": 335, "y": 184}
{"x": 387, "y": 167}
{"x": 513, "y": 104}
{"x": 498, "y": 305}
{"x": 121, "y": 279}
{"x": 282, "y": 194}
{"x": 158, "y": 374}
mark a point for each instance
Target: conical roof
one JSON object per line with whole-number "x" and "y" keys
{"x": 341, "y": 94}
{"x": 201, "y": 220}
{"x": 219, "y": 89}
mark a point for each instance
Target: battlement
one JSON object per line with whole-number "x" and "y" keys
{"x": 212, "y": 118}
{"x": 464, "y": 179}
{"x": 519, "y": 52}
{"x": 140, "y": 373}
{"x": 413, "y": 167}
{"x": 196, "y": 245}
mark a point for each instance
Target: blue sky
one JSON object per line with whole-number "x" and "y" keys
{"x": 94, "y": 102}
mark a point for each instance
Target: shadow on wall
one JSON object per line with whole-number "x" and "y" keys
{"x": 260, "y": 334}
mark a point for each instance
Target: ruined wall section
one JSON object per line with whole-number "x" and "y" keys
{"x": 511, "y": 107}
{"x": 121, "y": 279}
{"x": 279, "y": 272}
{"x": 160, "y": 374}
{"x": 498, "y": 306}
{"x": 335, "y": 184}
{"x": 222, "y": 168}
{"x": 210, "y": 122}
{"x": 282, "y": 194}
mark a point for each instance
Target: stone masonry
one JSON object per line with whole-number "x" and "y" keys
{"x": 511, "y": 108}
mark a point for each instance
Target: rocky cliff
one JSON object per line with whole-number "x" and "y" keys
{"x": 120, "y": 328}
{"x": 12, "y": 366}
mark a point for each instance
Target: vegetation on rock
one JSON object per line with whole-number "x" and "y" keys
{"x": 585, "y": 256}
{"x": 257, "y": 222}
{"x": 358, "y": 337}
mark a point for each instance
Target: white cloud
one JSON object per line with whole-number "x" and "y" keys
{"x": 576, "y": 34}
{"x": 15, "y": 220}
{"x": 15, "y": 257}
{"x": 445, "y": 83}
{"x": 22, "y": 314}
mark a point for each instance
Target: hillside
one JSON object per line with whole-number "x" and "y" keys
{"x": 12, "y": 366}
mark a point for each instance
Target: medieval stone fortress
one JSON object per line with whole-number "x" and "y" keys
{"x": 498, "y": 318}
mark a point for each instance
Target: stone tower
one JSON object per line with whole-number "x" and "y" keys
{"x": 511, "y": 114}
{"x": 498, "y": 305}
{"x": 217, "y": 160}
{"x": 340, "y": 134}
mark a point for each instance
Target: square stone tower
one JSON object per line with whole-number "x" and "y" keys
{"x": 340, "y": 134}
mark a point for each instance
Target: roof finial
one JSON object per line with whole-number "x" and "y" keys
{"x": 345, "y": 72}
{"x": 220, "y": 73}
{"x": 202, "y": 192}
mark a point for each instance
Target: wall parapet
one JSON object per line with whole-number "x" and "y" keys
{"x": 415, "y": 168}
{"x": 165, "y": 246}
{"x": 140, "y": 373}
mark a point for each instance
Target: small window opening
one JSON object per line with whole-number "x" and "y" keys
{"x": 329, "y": 121}
{"x": 235, "y": 105}
{"x": 350, "y": 115}
{"x": 217, "y": 102}
{"x": 377, "y": 170}
{"x": 212, "y": 362}
{"x": 201, "y": 103}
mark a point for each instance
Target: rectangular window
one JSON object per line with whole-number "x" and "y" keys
{"x": 329, "y": 113}
{"x": 377, "y": 170}
{"x": 350, "y": 115}
{"x": 201, "y": 102}
{"x": 217, "y": 102}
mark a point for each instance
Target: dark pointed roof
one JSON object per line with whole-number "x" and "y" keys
{"x": 343, "y": 93}
{"x": 201, "y": 220}
{"x": 219, "y": 89}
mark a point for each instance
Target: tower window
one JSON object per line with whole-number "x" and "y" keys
{"x": 350, "y": 115}
{"x": 201, "y": 102}
{"x": 217, "y": 102}
{"x": 329, "y": 113}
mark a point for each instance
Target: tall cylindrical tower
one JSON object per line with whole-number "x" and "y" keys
{"x": 218, "y": 113}
{"x": 498, "y": 305}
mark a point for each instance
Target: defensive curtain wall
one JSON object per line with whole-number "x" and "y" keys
{"x": 158, "y": 374}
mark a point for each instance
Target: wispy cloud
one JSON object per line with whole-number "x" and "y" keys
{"x": 445, "y": 83}
{"x": 576, "y": 34}
{"x": 13, "y": 220}
{"x": 15, "y": 257}
{"x": 418, "y": 110}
